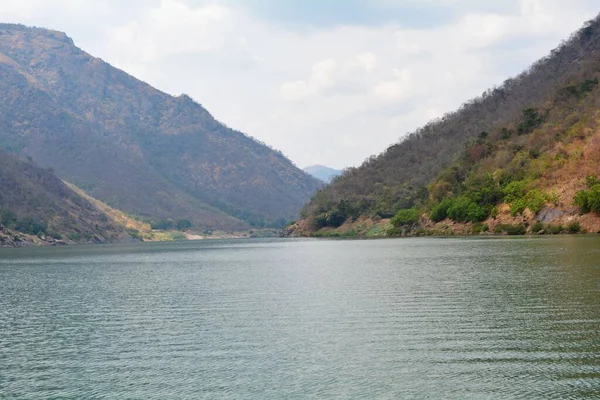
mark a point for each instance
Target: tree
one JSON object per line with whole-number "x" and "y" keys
{"x": 406, "y": 218}
{"x": 183, "y": 224}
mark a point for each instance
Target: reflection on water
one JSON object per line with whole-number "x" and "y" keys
{"x": 409, "y": 318}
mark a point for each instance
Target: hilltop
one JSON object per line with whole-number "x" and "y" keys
{"x": 523, "y": 157}
{"x": 142, "y": 151}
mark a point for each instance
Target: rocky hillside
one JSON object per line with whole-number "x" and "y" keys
{"x": 132, "y": 146}
{"x": 37, "y": 207}
{"x": 523, "y": 154}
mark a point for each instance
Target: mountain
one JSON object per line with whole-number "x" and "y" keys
{"x": 322, "y": 172}
{"x": 35, "y": 205}
{"x": 134, "y": 147}
{"x": 519, "y": 154}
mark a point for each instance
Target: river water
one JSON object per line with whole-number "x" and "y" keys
{"x": 273, "y": 319}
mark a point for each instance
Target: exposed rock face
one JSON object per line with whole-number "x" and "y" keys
{"x": 551, "y": 214}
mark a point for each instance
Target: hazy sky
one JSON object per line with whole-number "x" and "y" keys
{"x": 325, "y": 81}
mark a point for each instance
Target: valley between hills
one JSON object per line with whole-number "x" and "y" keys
{"x": 92, "y": 155}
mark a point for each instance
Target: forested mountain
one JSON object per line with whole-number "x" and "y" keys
{"x": 132, "y": 146}
{"x": 534, "y": 139}
{"x": 323, "y": 173}
{"x": 33, "y": 201}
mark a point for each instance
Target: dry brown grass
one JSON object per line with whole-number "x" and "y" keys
{"x": 124, "y": 220}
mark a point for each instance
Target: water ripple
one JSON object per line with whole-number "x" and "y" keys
{"x": 417, "y": 318}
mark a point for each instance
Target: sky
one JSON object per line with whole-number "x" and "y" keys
{"x": 325, "y": 81}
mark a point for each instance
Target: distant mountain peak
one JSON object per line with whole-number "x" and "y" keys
{"x": 322, "y": 172}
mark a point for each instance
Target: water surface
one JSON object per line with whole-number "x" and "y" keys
{"x": 272, "y": 319}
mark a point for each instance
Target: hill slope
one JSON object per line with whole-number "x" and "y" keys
{"x": 132, "y": 146}
{"x": 322, "y": 172}
{"x": 36, "y": 203}
{"x": 537, "y": 132}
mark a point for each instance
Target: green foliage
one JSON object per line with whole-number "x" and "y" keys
{"x": 376, "y": 231}
{"x": 588, "y": 200}
{"x": 134, "y": 233}
{"x": 406, "y": 217}
{"x": 54, "y": 235}
{"x": 177, "y": 236}
{"x": 479, "y": 227}
{"x": 574, "y": 227}
{"x": 7, "y": 218}
{"x": 506, "y": 133}
{"x": 531, "y": 120}
{"x": 581, "y": 201}
{"x": 337, "y": 234}
{"x": 487, "y": 196}
{"x": 463, "y": 209}
{"x": 479, "y": 197}
{"x": 514, "y": 191}
{"x": 74, "y": 236}
{"x": 535, "y": 200}
{"x": 325, "y": 234}
{"x": 579, "y": 91}
{"x": 162, "y": 225}
{"x": 555, "y": 229}
{"x": 183, "y": 224}
{"x": 333, "y": 218}
{"x": 517, "y": 207}
{"x": 334, "y": 215}
{"x": 519, "y": 199}
{"x": 494, "y": 212}
{"x": 439, "y": 212}
{"x": 591, "y": 180}
{"x": 31, "y": 226}
{"x": 353, "y": 209}
{"x": 537, "y": 227}
{"x": 510, "y": 229}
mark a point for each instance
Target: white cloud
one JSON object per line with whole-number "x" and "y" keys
{"x": 173, "y": 28}
{"x": 331, "y": 95}
{"x": 367, "y": 60}
{"x": 400, "y": 88}
{"x": 322, "y": 77}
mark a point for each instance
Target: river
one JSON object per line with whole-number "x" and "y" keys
{"x": 296, "y": 319}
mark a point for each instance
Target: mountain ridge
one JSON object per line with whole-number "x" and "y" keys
{"x": 133, "y": 146}
{"x": 509, "y": 128}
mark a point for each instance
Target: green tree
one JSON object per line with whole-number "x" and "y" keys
{"x": 531, "y": 120}
{"x": 514, "y": 191}
{"x": 464, "y": 209}
{"x": 7, "y": 217}
{"x": 183, "y": 224}
{"x": 439, "y": 212}
{"x": 588, "y": 200}
{"x": 406, "y": 217}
